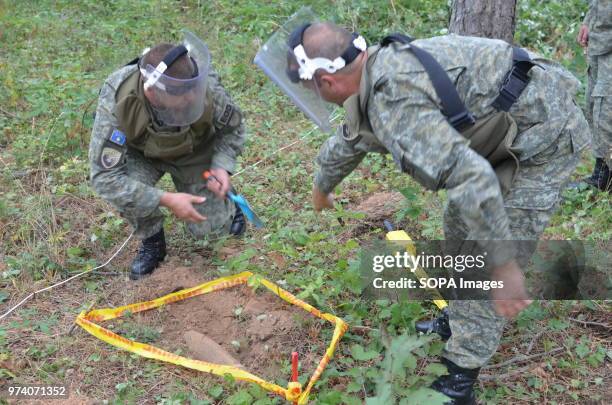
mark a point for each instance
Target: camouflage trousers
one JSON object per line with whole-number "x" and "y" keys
{"x": 530, "y": 203}
{"x": 599, "y": 105}
{"x": 219, "y": 213}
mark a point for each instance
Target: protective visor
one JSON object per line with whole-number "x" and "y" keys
{"x": 283, "y": 59}
{"x": 179, "y": 102}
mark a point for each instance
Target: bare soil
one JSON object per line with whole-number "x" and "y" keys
{"x": 377, "y": 207}
{"x": 256, "y": 328}
{"x": 380, "y": 206}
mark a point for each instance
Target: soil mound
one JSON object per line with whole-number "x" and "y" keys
{"x": 380, "y": 206}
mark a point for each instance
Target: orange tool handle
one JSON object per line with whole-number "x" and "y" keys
{"x": 209, "y": 176}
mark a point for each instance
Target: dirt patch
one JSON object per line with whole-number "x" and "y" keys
{"x": 256, "y": 328}
{"x": 169, "y": 277}
{"x": 377, "y": 207}
{"x": 380, "y": 206}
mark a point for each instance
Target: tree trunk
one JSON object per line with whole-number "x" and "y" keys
{"x": 484, "y": 18}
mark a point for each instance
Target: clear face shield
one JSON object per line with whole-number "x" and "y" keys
{"x": 179, "y": 101}
{"x": 284, "y": 60}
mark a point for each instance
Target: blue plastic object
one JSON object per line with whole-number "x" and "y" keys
{"x": 246, "y": 209}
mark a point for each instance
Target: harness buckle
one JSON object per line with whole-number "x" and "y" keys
{"x": 462, "y": 121}
{"x": 512, "y": 86}
{"x": 514, "y": 83}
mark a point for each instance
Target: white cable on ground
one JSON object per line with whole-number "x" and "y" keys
{"x": 68, "y": 279}
{"x": 267, "y": 157}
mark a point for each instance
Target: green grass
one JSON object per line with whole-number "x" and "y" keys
{"x": 54, "y": 58}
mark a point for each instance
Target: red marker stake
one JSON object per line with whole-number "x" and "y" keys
{"x": 294, "y": 368}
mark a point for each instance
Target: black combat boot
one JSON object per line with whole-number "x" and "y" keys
{"x": 458, "y": 384}
{"x": 238, "y": 223}
{"x": 593, "y": 179}
{"x": 600, "y": 178}
{"x": 152, "y": 251}
{"x": 438, "y": 325}
{"x": 604, "y": 181}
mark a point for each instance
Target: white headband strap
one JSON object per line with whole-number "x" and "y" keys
{"x": 154, "y": 76}
{"x": 309, "y": 66}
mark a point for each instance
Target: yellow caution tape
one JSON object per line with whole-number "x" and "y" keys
{"x": 293, "y": 392}
{"x": 401, "y": 236}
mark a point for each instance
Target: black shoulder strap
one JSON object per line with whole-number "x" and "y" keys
{"x": 515, "y": 80}
{"x": 397, "y": 37}
{"x": 453, "y": 108}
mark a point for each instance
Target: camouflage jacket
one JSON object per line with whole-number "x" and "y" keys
{"x": 404, "y": 112}
{"x": 130, "y": 195}
{"x": 599, "y": 21}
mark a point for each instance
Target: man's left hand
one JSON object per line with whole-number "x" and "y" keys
{"x": 222, "y": 185}
{"x": 512, "y": 298}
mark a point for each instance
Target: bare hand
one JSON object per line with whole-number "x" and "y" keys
{"x": 221, "y": 186}
{"x": 321, "y": 200}
{"x": 512, "y": 298}
{"x": 583, "y": 36}
{"x": 181, "y": 205}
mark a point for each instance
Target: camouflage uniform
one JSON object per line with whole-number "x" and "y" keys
{"x": 404, "y": 114}
{"x": 130, "y": 185}
{"x": 599, "y": 92}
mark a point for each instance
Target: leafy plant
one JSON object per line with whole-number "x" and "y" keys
{"x": 399, "y": 380}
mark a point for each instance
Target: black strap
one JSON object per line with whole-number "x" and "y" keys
{"x": 173, "y": 54}
{"x": 297, "y": 36}
{"x": 515, "y": 80}
{"x": 169, "y": 58}
{"x": 457, "y": 114}
{"x": 351, "y": 52}
{"x": 397, "y": 37}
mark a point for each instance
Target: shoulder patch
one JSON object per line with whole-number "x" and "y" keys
{"x": 228, "y": 111}
{"x": 110, "y": 157}
{"x": 117, "y": 137}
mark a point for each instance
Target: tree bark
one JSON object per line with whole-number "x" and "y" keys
{"x": 484, "y": 18}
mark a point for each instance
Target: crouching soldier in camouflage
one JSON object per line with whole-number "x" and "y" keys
{"x": 167, "y": 113}
{"x": 596, "y": 35}
{"x": 502, "y": 184}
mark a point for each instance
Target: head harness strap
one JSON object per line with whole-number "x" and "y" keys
{"x": 172, "y": 56}
{"x": 308, "y": 67}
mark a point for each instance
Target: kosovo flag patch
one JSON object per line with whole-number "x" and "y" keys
{"x": 117, "y": 137}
